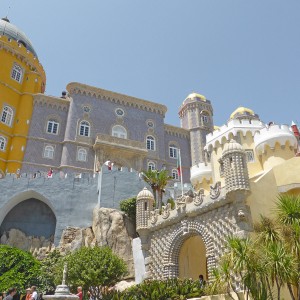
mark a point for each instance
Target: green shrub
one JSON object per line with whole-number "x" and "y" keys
{"x": 170, "y": 289}
{"x": 128, "y": 206}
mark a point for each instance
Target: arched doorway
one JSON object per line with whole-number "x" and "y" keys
{"x": 192, "y": 258}
{"x": 33, "y": 217}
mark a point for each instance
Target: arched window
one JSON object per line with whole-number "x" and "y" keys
{"x": 81, "y": 154}
{"x": 17, "y": 73}
{"x": 175, "y": 174}
{"x": 173, "y": 151}
{"x": 150, "y": 143}
{"x": 204, "y": 117}
{"x": 49, "y": 152}
{"x": 52, "y": 126}
{"x": 119, "y": 131}
{"x": 151, "y": 165}
{"x": 84, "y": 128}
{"x": 7, "y": 115}
{"x": 2, "y": 143}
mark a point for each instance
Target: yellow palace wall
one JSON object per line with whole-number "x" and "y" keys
{"x": 18, "y": 96}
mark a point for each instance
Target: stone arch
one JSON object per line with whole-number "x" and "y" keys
{"x": 21, "y": 197}
{"x": 179, "y": 236}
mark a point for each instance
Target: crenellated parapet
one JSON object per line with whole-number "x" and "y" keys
{"x": 83, "y": 89}
{"x": 233, "y": 127}
{"x": 51, "y": 102}
{"x": 177, "y": 131}
{"x": 275, "y": 134}
{"x": 22, "y": 53}
{"x": 200, "y": 172}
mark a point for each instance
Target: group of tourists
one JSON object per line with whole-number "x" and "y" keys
{"x": 31, "y": 294}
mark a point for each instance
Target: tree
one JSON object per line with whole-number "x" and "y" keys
{"x": 129, "y": 207}
{"x": 49, "y": 266}
{"x": 92, "y": 268}
{"x": 17, "y": 268}
{"x": 157, "y": 181}
{"x": 270, "y": 259}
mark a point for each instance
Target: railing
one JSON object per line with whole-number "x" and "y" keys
{"x": 105, "y": 139}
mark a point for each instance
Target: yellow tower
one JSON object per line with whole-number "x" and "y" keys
{"x": 21, "y": 76}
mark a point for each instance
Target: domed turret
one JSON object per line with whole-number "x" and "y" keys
{"x": 144, "y": 204}
{"x": 234, "y": 167}
{"x": 22, "y": 76}
{"x": 13, "y": 32}
{"x": 196, "y": 115}
{"x": 194, "y": 97}
{"x": 244, "y": 113}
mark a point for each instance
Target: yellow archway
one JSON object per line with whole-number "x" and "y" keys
{"x": 192, "y": 258}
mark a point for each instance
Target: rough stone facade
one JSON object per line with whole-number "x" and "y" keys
{"x": 103, "y": 111}
{"x": 213, "y": 217}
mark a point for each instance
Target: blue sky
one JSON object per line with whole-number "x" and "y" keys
{"x": 235, "y": 52}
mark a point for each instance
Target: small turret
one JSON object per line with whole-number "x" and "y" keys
{"x": 235, "y": 167}
{"x": 144, "y": 205}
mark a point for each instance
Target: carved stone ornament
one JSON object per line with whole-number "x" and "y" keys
{"x": 181, "y": 202}
{"x": 185, "y": 227}
{"x": 154, "y": 215}
{"x": 166, "y": 211}
{"x": 241, "y": 215}
{"x": 215, "y": 190}
{"x": 198, "y": 199}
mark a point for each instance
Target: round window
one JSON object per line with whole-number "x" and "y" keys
{"x": 120, "y": 112}
{"x": 86, "y": 109}
{"x": 150, "y": 124}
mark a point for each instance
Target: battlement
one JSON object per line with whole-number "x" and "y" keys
{"x": 272, "y": 135}
{"x": 221, "y": 134}
{"x": 51, "y": 101}
{"x": 19, "y": 49}
{"x": 28, "y": 180}
{"x": 200, "y": 172}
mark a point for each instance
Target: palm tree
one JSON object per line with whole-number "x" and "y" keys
{"x": 157, "y": 181}
{"x": 288, "y": 216}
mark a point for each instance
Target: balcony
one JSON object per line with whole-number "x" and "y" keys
{"x": 112, "y": 143}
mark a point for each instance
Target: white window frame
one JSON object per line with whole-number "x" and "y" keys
{"x": 151, "y": 166}
{"x": 119, "y": 131}
{"x": 84, "y": 128}
{"x": 49, "y": 151}
{"x": 173, "y": 151}
{"x": 7, "y": 115}
{"x": 175, "y": 174}
{"x": 17, "y": 73}
{"x": 82, "y": 154}
{"x": 52, "y": 126}
{"x": 3, "y": 142}
{"x": 150, "y": 143}
{"x": 250, "y": 156}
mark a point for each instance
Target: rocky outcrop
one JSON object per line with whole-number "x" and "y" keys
{"x": 110, "y": 227}
{"x": 39, "y": 246}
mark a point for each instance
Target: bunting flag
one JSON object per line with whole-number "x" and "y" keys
{"x": 109, "y": 164}
{"x": 179, "y": 170}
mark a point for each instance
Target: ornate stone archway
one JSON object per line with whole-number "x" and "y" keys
{"x": 179, "y": 236}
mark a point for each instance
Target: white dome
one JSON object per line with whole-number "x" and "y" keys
{"x": 232, "y": 146}
{"x": 144, "y": 194}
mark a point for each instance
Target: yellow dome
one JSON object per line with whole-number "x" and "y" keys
{"x": 242, "y": 111}
{"x": 194, "y": 97}
{"x": 216, "y": 127}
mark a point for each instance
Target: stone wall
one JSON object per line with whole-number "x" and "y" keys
{"x": 71, "y": 199}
